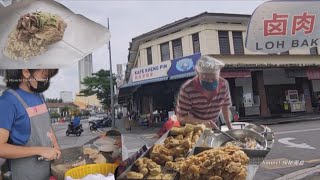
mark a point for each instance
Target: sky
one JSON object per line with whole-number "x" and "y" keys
{"x": 129, "y": 19}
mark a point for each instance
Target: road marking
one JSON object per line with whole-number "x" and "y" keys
{"x": 291, "y": 144}
{"x": 288, "y": 132}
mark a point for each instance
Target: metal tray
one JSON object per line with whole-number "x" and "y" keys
{"x": 147, "y": 154}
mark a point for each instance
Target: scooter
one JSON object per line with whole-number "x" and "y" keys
{"x": 94, "y": 125}
{"x": 74, "y": 130}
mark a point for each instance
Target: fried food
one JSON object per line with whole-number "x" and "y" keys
{"x": 188, "y": 128}
{"x": 33, "y": 34}
{"x": 168, "y": 176}
{"x": 134, "y": 175}
{"x": 176, "y": 131}
{"x": 155, "y": 177}
{"x": 248, "y": 143}
{"x": 219, "y": 163}
{"x": 155, "y": 171}
{"x": 100, "y": 159}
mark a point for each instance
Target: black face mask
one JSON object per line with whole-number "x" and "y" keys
{"x": 41, "y": 86}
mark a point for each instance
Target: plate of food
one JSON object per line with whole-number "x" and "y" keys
{"x": 46, "y": 35}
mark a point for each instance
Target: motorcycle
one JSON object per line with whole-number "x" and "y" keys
{"x": 94, "y": 125}
{"x": 74, "y": 130}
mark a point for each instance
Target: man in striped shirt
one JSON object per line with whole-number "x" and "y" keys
{"x": 202, "y": 98}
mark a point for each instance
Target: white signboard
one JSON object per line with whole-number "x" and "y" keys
{"x": 278, "y": 26}
{"x": 151, "y": 71}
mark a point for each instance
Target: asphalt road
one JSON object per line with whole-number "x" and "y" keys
{"x": 296, "y": 147}
{"x": 73, "y": 140}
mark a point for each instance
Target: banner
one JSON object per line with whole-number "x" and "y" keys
{"x": 183, "y": 65}
{"x": 278, "y": 26}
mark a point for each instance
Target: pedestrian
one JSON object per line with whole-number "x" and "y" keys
{"x": 25, "y": 128}
{"x": 202, "y": 98}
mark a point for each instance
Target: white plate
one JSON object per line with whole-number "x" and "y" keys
{"x": 81, "y": 37}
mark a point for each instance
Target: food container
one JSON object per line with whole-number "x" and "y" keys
{"x": 239, "y": 134}
{"x": 133, "y": 167}
{"x": 82, "y": 171}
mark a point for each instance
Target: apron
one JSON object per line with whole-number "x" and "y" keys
{"x": 31, "y": 168}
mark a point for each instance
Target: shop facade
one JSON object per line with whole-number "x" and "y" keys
{"x": 160, "y": 61}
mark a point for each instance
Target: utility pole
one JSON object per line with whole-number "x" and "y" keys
{"x": 111, "y": 86}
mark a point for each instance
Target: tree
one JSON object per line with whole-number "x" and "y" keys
{"x": 99, "y": 84}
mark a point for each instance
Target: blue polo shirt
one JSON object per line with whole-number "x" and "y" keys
{"x": 14, "y": 117}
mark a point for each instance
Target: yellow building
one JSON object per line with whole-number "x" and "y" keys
{"x": 83, "y": 102}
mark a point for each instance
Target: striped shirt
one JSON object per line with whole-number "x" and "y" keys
{"x": 193, "y": 100}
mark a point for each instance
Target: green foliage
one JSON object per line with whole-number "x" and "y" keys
{"x": 99, "y": 84}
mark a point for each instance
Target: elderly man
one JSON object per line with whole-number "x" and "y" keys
{"x": 202, "y": 98}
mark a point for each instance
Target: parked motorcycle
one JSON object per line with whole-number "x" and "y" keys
{"x": 94, "y": 125}
{"x": 74, "y": 130}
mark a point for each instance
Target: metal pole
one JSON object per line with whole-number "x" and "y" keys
{"x": 111, "y": 86}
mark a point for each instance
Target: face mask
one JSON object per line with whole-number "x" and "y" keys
{"x": 41, "y": 86}
{"x": 209, "y": 86}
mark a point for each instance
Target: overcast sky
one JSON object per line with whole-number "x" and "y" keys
{"x": 129, "y": 19}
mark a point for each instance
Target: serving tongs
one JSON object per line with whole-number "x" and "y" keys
{"x": 238, "y": 142}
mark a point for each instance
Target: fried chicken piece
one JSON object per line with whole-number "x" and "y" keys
{"x": 189, "y": 128}
{"x": 216, "y": 178}
{"x": 179, "y": 137}
{"x": 155, "y": 171}
{"x": 155, "y": 177}
{"x": 234, "y": 167}
{"x": 168, "y": 176}
{"x": 144, "y": 171}
{"x": 134, "y": 175}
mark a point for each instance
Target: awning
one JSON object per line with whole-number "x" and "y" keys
{"x": 236, "y": 74}
{"x": 313, "y": 73}
{"x": 180, "y": 76}
{"x": 144, "y": 82}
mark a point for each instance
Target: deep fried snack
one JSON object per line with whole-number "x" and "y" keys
{"x": 168, "y": 176}
{"x": 155, "y": 171}
{"x": 179, "y": 137}
{"x": 176, "y": 131}
{"x": 134, "y": 175}
{"x": 155, "y": 177}
{"x": 189, "y": 128}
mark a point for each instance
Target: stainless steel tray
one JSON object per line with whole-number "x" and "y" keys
{"x": 146, "y": 154}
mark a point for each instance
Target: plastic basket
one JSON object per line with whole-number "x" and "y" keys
{"x": 82, "y": 171}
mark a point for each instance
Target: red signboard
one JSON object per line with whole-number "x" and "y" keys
{"x": 313, "y": 74}
{"x": 235, "y": 74}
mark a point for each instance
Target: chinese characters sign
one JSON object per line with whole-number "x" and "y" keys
{"x": 151, "y": 71}
{"x": 279, "y": 26}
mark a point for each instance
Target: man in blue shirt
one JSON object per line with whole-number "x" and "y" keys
{"x": 76, "y": 121}
{"x": 25, "y": 126}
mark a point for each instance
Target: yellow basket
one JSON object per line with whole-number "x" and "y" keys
{"x": 82, "y": 171}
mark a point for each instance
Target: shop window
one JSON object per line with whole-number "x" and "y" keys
{"x": 238, "y": 42}
{"x": 165, "y": 51}
{"x": 196, "y": 43}
{"x": 224, "y": 42}
{"x": 149, "y": 55}
{"x": 314, "y": 51}
{"x": 177, "y": 48}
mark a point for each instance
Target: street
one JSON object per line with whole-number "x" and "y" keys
{"x": 296, "y": 147}
{"x": 138, "y": 136}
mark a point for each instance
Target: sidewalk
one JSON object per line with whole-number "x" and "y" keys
{"x": 136, "y": 128}
{"x": 282, "y": 119}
